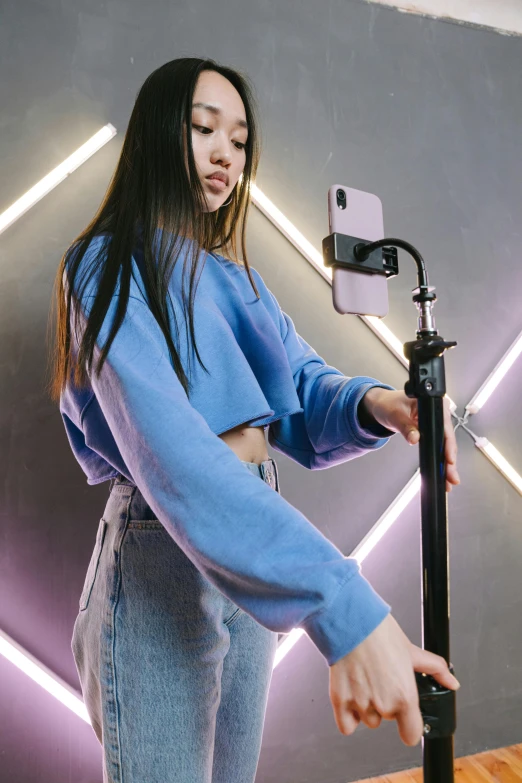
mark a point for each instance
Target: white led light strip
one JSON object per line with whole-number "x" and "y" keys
{"x": 500, "y": 462}
{"x": 57, "y": 175}
{"x": 48, "y": 679}
{"x": 492, "y": 381}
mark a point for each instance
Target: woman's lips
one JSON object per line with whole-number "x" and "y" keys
{"x": 216, "y": 183}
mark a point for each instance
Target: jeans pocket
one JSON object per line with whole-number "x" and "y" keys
{"x": 93, "y": 566}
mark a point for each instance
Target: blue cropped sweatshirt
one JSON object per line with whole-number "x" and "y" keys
{"x": 135, "y": 419}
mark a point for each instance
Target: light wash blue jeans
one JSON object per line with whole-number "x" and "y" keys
{"x": 174, "y": 675}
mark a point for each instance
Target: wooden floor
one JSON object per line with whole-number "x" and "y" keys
{"x": 495, "y": 766}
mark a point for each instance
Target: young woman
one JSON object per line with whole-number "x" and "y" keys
{"x": 197, "y": 564}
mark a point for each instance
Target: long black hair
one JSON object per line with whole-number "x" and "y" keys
{"x": 150, "y": 188}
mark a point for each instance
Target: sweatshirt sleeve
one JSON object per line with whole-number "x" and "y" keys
{"x": 329, "y": 430}
{"x": 247, "y": 540}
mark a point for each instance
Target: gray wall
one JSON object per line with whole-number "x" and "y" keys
{"x": 425, "y": 113}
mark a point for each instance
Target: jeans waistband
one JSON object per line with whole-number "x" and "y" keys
{"x": 266, "y": 470}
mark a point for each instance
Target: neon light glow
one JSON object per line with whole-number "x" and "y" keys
{"x": 46, "y": 678}
{"x": 500, "y": 462}
{"x": 57, "y": 175}
{"x": 493, "y": 380}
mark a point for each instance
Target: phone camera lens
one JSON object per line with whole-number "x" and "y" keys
{"x": 341, "y": 195}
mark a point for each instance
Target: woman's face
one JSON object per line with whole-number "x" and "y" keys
{"x": 218, "y": 137}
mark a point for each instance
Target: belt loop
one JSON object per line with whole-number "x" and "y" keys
{"x": 269, "y": 473}
{"x": 114, "y": 480}
{"x": 276, "y": 474}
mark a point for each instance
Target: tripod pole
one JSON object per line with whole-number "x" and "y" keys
{"x": 428, "y": 384}
{"x": 437, "y": 749}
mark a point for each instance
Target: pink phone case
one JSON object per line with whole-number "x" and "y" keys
{"x": 352, "y": 291}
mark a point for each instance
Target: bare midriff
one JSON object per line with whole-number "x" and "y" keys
{"x": 248, "y": 443}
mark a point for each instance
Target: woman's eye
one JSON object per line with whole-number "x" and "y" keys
{"x": 202, "y": 128}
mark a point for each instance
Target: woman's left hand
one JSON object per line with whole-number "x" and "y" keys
{"x": 399, "y": 413}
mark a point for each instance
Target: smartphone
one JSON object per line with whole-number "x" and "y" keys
{"x": 358, "y": 214}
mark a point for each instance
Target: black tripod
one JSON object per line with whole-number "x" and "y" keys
{"x": 427, "y": 383}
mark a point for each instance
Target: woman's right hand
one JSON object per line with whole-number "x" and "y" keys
{"x": 377, "y": 680}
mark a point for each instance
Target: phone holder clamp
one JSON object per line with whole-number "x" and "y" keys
{"x": 346, "y": 251}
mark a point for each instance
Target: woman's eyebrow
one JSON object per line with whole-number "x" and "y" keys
{"x": 217, "y": 110}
